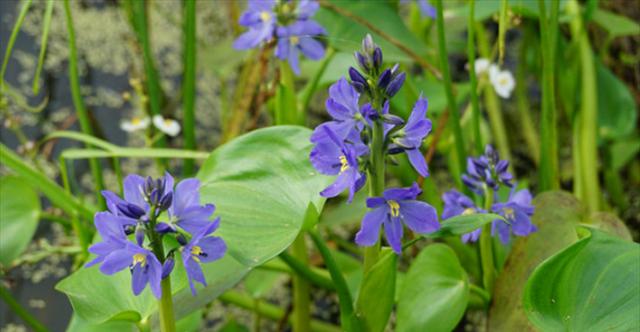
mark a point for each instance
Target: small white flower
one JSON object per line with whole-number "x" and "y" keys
{"x": 481, "y": 65}
{"x": 135, "y": 124}
{"x": 168, "y": 126}
{"x": 503, "y": 83}
{"x": 494, "y": 70}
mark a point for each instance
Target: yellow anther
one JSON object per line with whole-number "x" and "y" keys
{"x": 294, "y": 40}
{"x": 345, "y": 164}
{"x": 136, "y": 121}
{"x": 167, "y": 122}
{"x": 140, "y": 258}
{"x": 395, "y": 208}
{"x": 196, "y": 251}
{"x": 468, "y": 211}
{"x": 265, "y": 16}
{"x": 508, "y": 213}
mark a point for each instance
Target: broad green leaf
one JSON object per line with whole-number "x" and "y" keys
{"x": 258, "y": 283}
{"x": 617, "y": 109}
{"x": 376, "y": 298}
{"x": 593, "y": 285}
{"x": 611, "y": 224}
{"x": 616, "y": 25}
{"x": 463, "y": 224}
{"x": 261, "y": 184}
{"x": 19, "y": 213}
{"x": 77, "y": 324}
{"x": 556, "y": 216}
{"x": 435, "y": 292}
{"x": 346, "y": 34}
{"x": 623, "y": 151}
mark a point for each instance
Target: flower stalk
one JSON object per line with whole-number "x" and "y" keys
{"x": 486, "y": 247}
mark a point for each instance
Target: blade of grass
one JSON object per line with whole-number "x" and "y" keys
{"x": 471, "y": 55}
{"x": 313, "y": 84}
{"x": 81, "y": 111}
{"x": 524, "y": 109}
{"x": 46, "y": 24}
{"x": 548, "y": 131}
{"x": 12, "y": 40}
{"x": 502, "y": 29}
{"x": 189, "y": 83}
{"x": 153, "y": 153}
{"x": 454, "y": 118}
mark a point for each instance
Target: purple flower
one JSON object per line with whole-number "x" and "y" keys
{"x": 395, "y": 207}
{"x": 113, "y": 237}
{"x": 426, "y": 9}
{"x": 335, "y": 157}
{"x": 487, "y": 170}
{"x": 261, "y": 20}
{"x": 517, "y": 211}
{"x": 343, "y": 107}
{"x": 202, "y": 249}
{"x": 296, "y": 38}
{"x": 411, "y": 136}
{"x": 185, "y": 210}
{"x": 457, "y": 203}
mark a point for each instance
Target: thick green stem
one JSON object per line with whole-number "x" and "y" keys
{"x": 548, "y": 131}
{"x": 526, "y": 121}
{"x": 471, "y": 55}
{"x": 492, "y": 102}
{"x": 20, "y": 311}
{"x": 587, "y": 118}
{"x": 454, "y": 119}
{"x": 167, "y": 318}
{"x": 301, "y": 289}
{"x": 486, "y": 247}
{"x": 189, "y": 83}
{"x": 376, "y": 184}
{"x": 83, "y": 114}
{"x": 303, "y": 270}
{"x": 502, "y": 29}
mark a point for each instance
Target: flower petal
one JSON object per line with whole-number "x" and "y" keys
{"x": 418, "y": 162}
{"x": 393, "y": 232}
{"x": 116, "y": 261}
{"x": 214, "y": 247}
{"x": 419, "y": 216}
{"x": 369, "y": 232}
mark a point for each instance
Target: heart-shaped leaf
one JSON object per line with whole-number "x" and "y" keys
{"x": 593, "y": 285}
{"x": 435, "y": 291}
{"x": 19, "y": 212}
{"x": 262, "y": 184}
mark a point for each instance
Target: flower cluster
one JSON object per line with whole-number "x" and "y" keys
{"x": 361, "y": 129}
{"x": 287, "y": 22}
{"x": 168, "y": 126}
{"x": 141, "y": 213}
{"x": 485, "y": 175}
{"x": 501, "y": 80}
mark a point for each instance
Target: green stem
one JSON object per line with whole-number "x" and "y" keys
{"x": 502, "y": 29}
{"x": 483, "y": 294}
{"x": 83, "y": 114}
{"x": 376, "y": 183}
{"x": 302, "y": 269}
{"x": 189, "y": 83}
{"x": 471, "y": 55}
{"x": 587, "y": 119}
{"x": 492, "y": 102}
{"x": 526, "y": 121}
{"x": 269, "y": 310}
{"x": 46, "y": 24}
{"x": 313, "y": 85}
{"x": 486, "y": 247}
{"x": 20, "y": 311}
{"x": 344, "y": 296}
{"x": 454, "y": 119}
{"x": 77, "y": 227}
{"x": 301, "y": 288}
{"x": 165, "y": 304}
{"x": 12, "y": 40}
{"x": 548, "y": 131}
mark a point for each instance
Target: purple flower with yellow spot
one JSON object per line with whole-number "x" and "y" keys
{"x": 396, "y": 207}
{"x": 298, "y": 38}
{"x": 456, "y": 204}
{"x": 202, "y": 249}
{"x": 335, "y": 157}
{"x": 185, "y": 211}
{"x": 517, "y": 211}
{"x": 261, "y": 21}
{"x": 410, "y": 137}
{"x": 343, "y": 106}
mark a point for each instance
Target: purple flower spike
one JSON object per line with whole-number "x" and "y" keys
{"x": 487, "y": 171}
{"x": 202, "y": 249}
{"x": 186, "y": 211}
{"x": 517, "y": 211}
{"x": 145, "y": 267}
{"x": 261, "y": 21}
{"x": 395, "y": 207}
